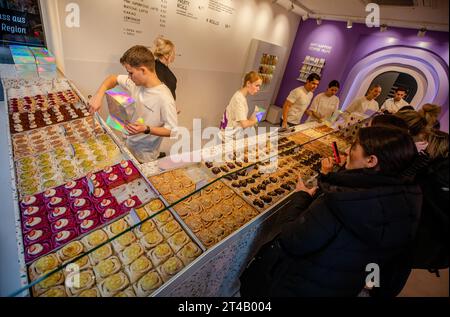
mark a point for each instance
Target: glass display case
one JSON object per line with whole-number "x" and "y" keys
{"x": 92, "y": 222}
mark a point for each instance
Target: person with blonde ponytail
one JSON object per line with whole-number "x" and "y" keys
{"x": 165, "y": 55}
{"x": 431, "y": 113}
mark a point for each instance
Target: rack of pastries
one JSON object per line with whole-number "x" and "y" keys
{"x": 82, "y": 199}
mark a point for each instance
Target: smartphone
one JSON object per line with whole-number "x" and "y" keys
{"x": 337, "y": 158}
{"x": 260, "y": 112}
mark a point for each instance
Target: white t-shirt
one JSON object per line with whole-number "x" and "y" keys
{"x": 393, "y": 106}
{"x": 324, "y": 106}
{"x": 156, "y": 107}
{"x": 361, "y": 105}
{"x": 237, "y": 110}
{"x": 300, "y": 99}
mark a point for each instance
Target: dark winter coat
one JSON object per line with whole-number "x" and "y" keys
{"x": 359, "y": 218}
{"x": 431, "y": 248}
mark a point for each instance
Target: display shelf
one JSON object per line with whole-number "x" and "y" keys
{"x": 309, "y": 67}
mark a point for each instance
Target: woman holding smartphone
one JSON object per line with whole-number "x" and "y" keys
{"x": 235, "y": 117}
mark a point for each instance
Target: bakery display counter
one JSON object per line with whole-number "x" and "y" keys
{"x": 91, "y": 221}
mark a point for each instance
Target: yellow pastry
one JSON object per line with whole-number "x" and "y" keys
{"x": 86, "y": 280}
{"x": 152, "y": 239}
{"x": 141, "y": 213}
{"x": 82, "y": 263}
{"x": 101, "y": 253}
{"x": 189, "y": 252}
{"x": 170, "y": 228}
{"x": 138, "y": 268}
{"x": 160, "y": 253}
{"x": 52, "y": 280}
{"x": 171, "y": 267}
{"x": 94, "y": 239}
{"x": 57, "y": 291}
{"x": 44, "y": 264}
{"x": 163, "y": 217}
{"x": 131, "y": 253}
{"x": 113, "y": 284}
{"x": 147, "y": 284}
{"x": 154, "y": 206}
{"x": 178, "y": 240}
{"x": 144, "y": 228}
{"x": 107, "y": 267}
{"x": 117, "y": 227}
{"x": 71, "y": 250}
{"x": 124, "y": 240}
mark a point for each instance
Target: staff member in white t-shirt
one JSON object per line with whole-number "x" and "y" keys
{"x": 298, "y": 101}
{"x": 235, "y": 117}
{"x": 325, "y": 104}
{"x": 368, "y": 102}
{"x": 392, "y": 105}
{"x": 155, "y": 105}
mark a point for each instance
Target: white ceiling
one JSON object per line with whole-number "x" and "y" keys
{"x": 431, "y": 14}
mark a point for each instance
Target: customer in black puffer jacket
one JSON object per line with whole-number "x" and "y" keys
{"x": 364, "y": 214}
{"x": 431, "y": 249}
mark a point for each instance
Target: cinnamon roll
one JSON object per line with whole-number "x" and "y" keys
{"x": 113, "y": 284}
{"x": 138, "y": 268}
{"x": 107, "y": 267}
{"x": 147, "y": 284}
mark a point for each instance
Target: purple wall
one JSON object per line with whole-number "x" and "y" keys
{"x": 351, "y": 45}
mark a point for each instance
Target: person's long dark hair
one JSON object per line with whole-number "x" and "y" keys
{"x": 394, "y": 148}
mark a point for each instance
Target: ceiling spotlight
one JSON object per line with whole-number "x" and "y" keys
{"x": 383, "y": 27}
{"x": 305, "y": 17}
{"x": 422, "y": 32}
{"x": 349, "y": 24}
{"x": 319, "y": 21}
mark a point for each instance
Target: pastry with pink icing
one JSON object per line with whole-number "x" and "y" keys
{"x": 88, "y": 225}
{"x": 85, "y": 214}
{"x": 53, "y": 192}
{"x": 130, "y": 173}
{"x": 81, "y": 203}
{"x": 77, "y": 193}
{"x": 56, "y": 201}
{"x": 33, "y": 211}
{"x": 76, "y": 184}
{"x": 110, "y": 214}
{"x": 62, "y": 237}
{"x": 63, "y": 224}
{"x": 36, "y": 235}
{"x": 36, "y": 200}
{"x": 100, "y": 193}
{"x": 35, "y": 250}
{"x": 58, "y": 213}
{"x": 133, "y": 202}
{"x": 106, "y": 203}
{"x": 34, "y": 223}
